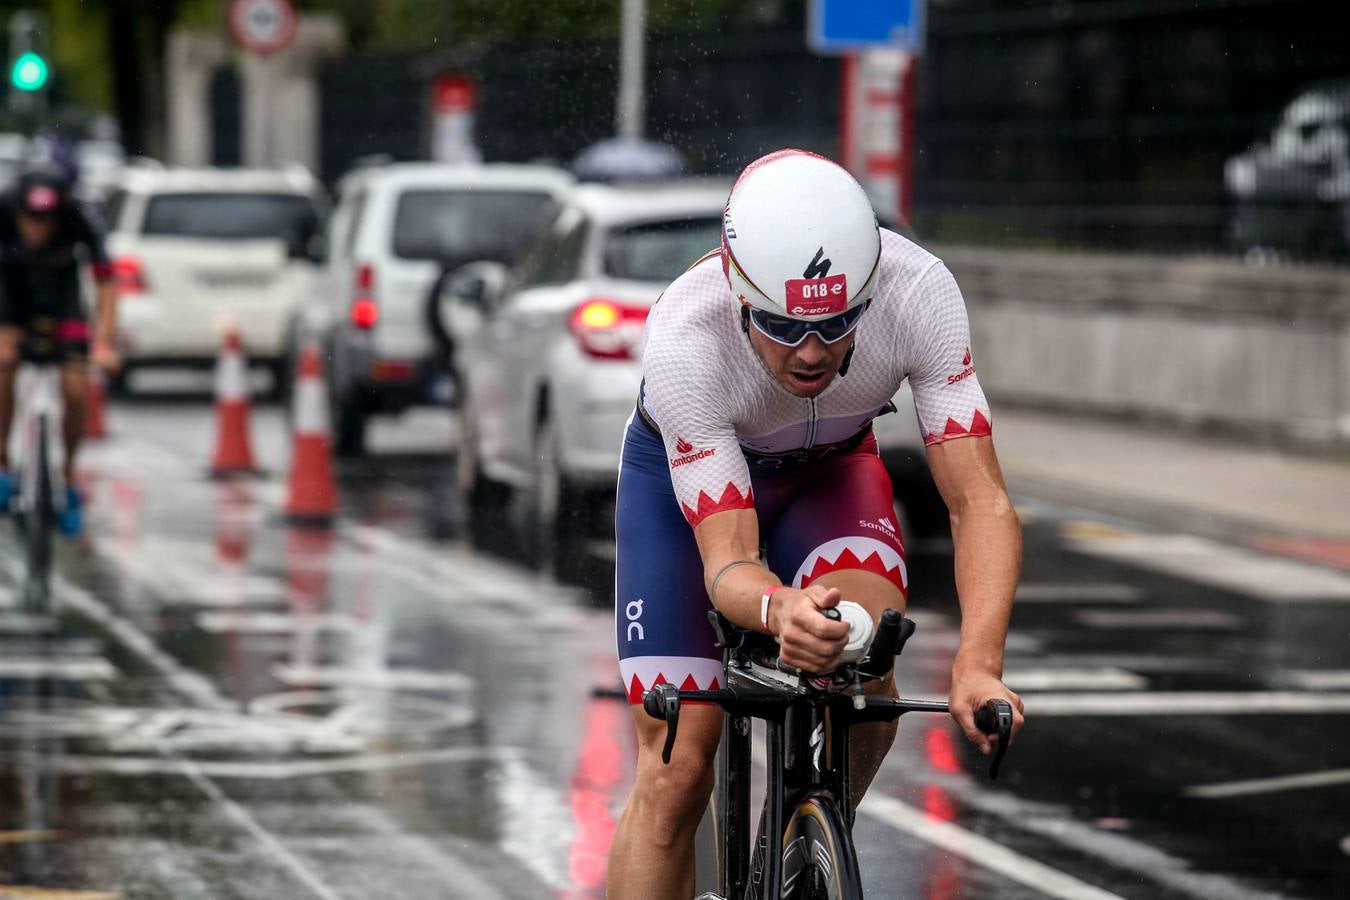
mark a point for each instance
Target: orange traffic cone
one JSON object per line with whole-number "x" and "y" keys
{"x": 95, "y": 420}
{"x": 312, "y": 499}
{"x": 234, "y": 452}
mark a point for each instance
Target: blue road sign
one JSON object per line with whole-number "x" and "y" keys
{"x": 844, "y": 26}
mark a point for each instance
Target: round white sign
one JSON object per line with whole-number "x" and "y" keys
{"x": 262, "y": 26}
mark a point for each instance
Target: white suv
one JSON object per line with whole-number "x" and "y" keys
{"x": 196, "y": 249}
{"x": 394, "y": 230}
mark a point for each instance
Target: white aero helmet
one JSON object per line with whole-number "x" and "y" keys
{"x": 799, "y": 237}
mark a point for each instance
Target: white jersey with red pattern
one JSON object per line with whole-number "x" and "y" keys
{"x": 715, "y": 401}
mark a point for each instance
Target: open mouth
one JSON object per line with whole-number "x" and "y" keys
{"x": 807, "y": 380}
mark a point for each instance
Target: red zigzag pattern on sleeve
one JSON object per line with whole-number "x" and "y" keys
{"x": 731, "y": 498}
{"x": 979, "y": 427}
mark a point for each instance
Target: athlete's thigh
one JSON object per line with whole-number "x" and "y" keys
{"x": 661, "y": 605}
{"x": 74, "y": 379}
{"x": 11, "y": 342}
{"x": 839, "y": 530}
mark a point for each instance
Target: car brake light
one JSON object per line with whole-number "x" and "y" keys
{"x": 364, "y": 311}
{"x": 129, "y": 275}
{"x": 608, "y": 329}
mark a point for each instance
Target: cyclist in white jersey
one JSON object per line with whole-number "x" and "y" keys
{"x": 764, "y": 366}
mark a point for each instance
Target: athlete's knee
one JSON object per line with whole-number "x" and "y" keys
{"x": 674, "y": 795}
{"x": 74, "y": 396}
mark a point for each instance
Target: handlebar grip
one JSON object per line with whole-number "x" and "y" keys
{"x": 653, "y": 704}
{"x": 996, "y": 718}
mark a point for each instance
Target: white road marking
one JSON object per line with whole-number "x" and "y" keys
{"x": 1270, "y": 785}
{"x": 1239, "y": 569}
{"x": 967, "y": 844}
{"x": 186, "y": 682}
{"x": 1184, "y": 703}
{"x": 1113, "y": 848}
{"x": 1102, "y": 678}
{"x": 385, "y": 679}
{"x": 979, "y": 850}
{"x": 1157, "y": 618}
{"x": 1319, "y": 679}
{"x": 241, "y": 816}
{"x": 275, "y": 623}
{"x": 603, "y": 548}
{"x": 31, "y": 667}
{"x": 1092, "y": 592}
{"x": 15, "y": 623}
{"x": 459, "y": 576}
{"x": 244, "y": 770}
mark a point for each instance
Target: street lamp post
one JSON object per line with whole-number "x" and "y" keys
{"x": 630, "y": 113}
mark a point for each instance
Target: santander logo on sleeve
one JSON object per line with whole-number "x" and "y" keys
{"x": 689, "y": 454}
{"x": 965, "y": 373}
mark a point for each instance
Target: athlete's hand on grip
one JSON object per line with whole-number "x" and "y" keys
{"x": 807, "y": 639}
{"x": 971, "y": 690}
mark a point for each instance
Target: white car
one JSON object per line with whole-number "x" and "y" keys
{"x": 195, "y": 250}
{"x": 395, "y": 228}
{"x": 549, "y": 356}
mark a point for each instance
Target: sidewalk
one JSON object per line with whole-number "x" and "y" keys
{"x": 1279, "y": 502}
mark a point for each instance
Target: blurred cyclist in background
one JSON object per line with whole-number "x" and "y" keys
{"x": 44, "y": 238}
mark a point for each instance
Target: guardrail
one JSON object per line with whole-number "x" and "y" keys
{"x": 1201, "y": 343}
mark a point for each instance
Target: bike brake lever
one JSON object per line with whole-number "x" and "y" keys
{"x": 996, "y": 717}
{"x": 663, "y": 702}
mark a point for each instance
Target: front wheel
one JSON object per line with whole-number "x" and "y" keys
{"x": 37, "y": 521}
{"x": 818, "y": 858}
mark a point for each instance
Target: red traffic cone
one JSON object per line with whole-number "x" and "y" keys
{"x": 312, "y": 498}
{"x": 95, "y": 419}
{"x": 234, "y": 452}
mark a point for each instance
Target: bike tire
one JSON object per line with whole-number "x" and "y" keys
{"x": 819, "y": 862}
{"x": 39, "y": 524}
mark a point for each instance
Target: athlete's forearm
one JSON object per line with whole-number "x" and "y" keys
{"x": 988, "y": 543}
{"x": 741, "y": 583}
{"x": 105, "y": 312}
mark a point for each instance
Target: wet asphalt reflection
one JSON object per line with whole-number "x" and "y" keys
{"x": 403, "y": 705}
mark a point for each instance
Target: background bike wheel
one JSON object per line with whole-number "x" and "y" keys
{"x": 37, "y": 522}
{"x": 818, "y": 858}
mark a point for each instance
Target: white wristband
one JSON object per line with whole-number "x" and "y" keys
{"x": 764, "y": 605}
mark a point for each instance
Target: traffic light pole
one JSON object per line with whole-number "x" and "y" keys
{"x": 29, "y": 70}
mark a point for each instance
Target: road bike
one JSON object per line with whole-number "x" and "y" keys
{"x": 804, "y": 849}
{"x": 40, "y": 497}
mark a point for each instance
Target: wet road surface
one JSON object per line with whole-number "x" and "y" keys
{"x": 225, "y": 706}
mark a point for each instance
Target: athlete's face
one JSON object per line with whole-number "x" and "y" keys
{"x": 35, "y": 231}
{"x": 806, "y": 369}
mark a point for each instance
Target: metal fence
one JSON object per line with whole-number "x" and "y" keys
{"x": 1205, "y": 126}
{"x": 1176, "y": 126}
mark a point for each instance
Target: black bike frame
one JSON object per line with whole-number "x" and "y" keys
{"x": 802, "y": 762}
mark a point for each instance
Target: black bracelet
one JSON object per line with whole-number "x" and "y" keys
{"x": 712, "y": 591}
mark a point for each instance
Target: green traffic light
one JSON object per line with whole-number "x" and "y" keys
{"x": 29, "y": 72}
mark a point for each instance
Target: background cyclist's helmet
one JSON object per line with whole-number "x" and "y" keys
{"x": 799, "y": 237}
{"x": 42, "y": 189}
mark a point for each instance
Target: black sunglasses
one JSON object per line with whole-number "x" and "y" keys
{"x": 791, "y": 332}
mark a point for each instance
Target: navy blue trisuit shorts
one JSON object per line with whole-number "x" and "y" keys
{"x": 827, "y": 513}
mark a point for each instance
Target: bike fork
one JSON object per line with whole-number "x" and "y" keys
{"x": 736, "y": 806}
